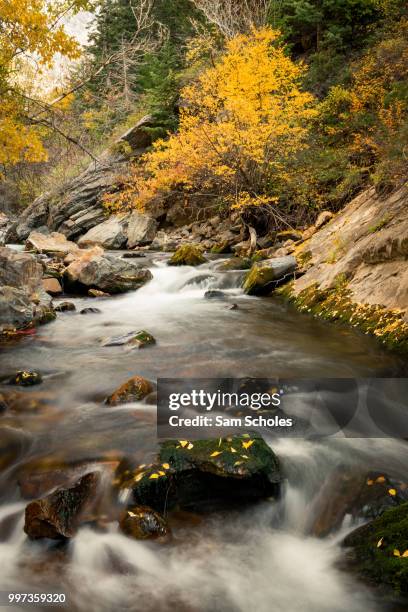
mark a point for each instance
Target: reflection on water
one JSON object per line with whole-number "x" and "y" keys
{"x": 259, "y": 559}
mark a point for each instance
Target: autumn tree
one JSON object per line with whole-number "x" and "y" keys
{"x": 31, "y": 33}
{"x": 240, "y": 122}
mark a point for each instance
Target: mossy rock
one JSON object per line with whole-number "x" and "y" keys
{"x": 142, "y": 523}
{"x": 236, "y": 263}
{"x": 269, "y": 274}
{"x": 379, "y": 549}
{"x": 291, "y": 234}
{"x": 187, "y": 255}
{"x": 207, "y": 475}
{"x": 24, "y": 378}
{"x": 221, "y": 247}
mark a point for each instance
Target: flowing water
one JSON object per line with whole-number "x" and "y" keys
{"x": 261, "y": 558}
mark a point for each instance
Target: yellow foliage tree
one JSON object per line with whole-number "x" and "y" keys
{"x": 30, "y": 31}
{"x": 240, "y": 122}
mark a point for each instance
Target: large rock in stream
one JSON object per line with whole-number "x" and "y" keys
{"x": 60, "y": 514}
{"x": 23, "y": 300}
{"x": 266, "y": 275}
{"x": 51, "y": 244}
{"x": 207, "y": 475}
{"x": 98, "y": 270}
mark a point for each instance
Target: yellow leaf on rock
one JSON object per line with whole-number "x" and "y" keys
{"x": 380, "y": 479}
{"x": 405, "y": 553}
{"x": 166, "y": 466}
{"x": 238, "y": 463}
{"x": 131, "y": 514}
{"x": 380, "y": 541}
{"x": 183, "y": 443}
{"x": 153, "y": 476}
{"x": 247, "y": 444}
{"x": 190, "y": 446}
{"x": 397, "y": 553}
{"x": 370, "y": 482}
{"x": 139, "y": 477}
{"x": 232, "y": 450}
{"x": 392, "y": 492}
{"x": 215, "y": 454}
{"x": 162, "y": 473}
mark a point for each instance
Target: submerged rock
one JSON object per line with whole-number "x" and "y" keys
{"x": 98, "y": 270}
{"x": 138, "y": 339}
{"x": 187, "y": 255}
{"x": 208, "y": 474}
{"x": 215, "y": 294}
{"x": 133, "y": 390}
{"x": 25, "y": 378}
{"x": 142, "y": 523}
{"x": 265, "y": 275}
{"x": 380, "y": 550}
{"x": 59, "y": 515}
{"x": 86, "y": 311}
{"x": 65, "y": 307}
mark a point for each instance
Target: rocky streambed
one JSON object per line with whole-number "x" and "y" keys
{"x": 92, "y": 505}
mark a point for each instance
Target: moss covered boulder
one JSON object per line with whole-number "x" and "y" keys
{"x": 187, "y": 255}
{"x": 236, "y": 263}
{"x": 207, "y": 475}
{"x": 265, "y": 275}
{"x": 380, "y": 550}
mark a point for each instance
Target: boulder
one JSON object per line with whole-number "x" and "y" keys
{"x": 52, "y": 244}
{"x": 291, "y": 234}
{"x": 23, "y": 300}
{"x": 187, "y": 255}
{"x": 133, "y": 390}
{"x": 52, "y": 286}
{"x": 141, "y": 230}
{"x": 163, "y": 242}
{"x": 142, "y": 523}
{"x": 207, "y": 474}
{"x": 235, "y": 263}
{"x": 265, "y": 275}
{"x": 95, "y": 293}
{"x": 86, "y": 311}
{"x": 379, "y": 550}
{"x": 111, "y": 234}
{"x": 98, "y": 270}
{"x": 59, "y": 515}
{"x": 357, "y": 496}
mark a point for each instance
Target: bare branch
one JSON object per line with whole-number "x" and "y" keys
{"x": 233, "y": 17}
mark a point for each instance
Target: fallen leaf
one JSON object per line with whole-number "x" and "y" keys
{"x": 370, "y": 482}
{"x": 153, "y": 476}
{"x": 247, "y": 444}
{"x": 132, "y": 514}
{"x": 139, "y": 477}
{"x": 405, "y": 553}
{"x": 245, "y": 456}
{"x": 397, "y": 553}
{"x": 380, "y": 479}
{"x": 166, "y": 466}
{"x": 162, "y": 473}
{"x": 232, "y": 450}
{"x": 238, "y": 463}
{"x": 219, "y": 442}
{"x": 392, "y": 492}
{"x": 380, "y": 541}
{"x": 190, "y": 446}
{"x": 183, "y": 443}
{"x": 215, "y": 454}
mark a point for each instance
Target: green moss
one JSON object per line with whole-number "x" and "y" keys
{"x": 380, "y": 224}
{"x": 335, "y": 304}
{"x": 221, "y": 247}
{"x": 236, "y": 263}
{"x": 187, "y": 255}
{"x": 379, "y": 548}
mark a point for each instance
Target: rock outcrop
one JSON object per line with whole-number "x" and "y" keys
{"x": 23, "y": 300}
{"x": 355, "y": 268}
{"x": 77, "y": 206}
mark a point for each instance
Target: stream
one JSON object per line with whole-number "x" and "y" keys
{"x": 261, "y": 558}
